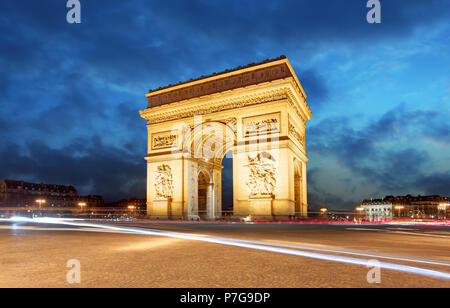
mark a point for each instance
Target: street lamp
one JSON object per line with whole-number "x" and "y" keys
{"x": 132, "y": 208}
{"x": 324, "y": 210}
{"x": 40, "y": 202}
{"x": 360, "y": 215}
{"x": 360, "y": 210}
{"x": 399, "y": 208}
{"x": 82, "y": 204}
{"x": 443, "y": 207}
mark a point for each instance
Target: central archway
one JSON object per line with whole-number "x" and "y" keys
{"x": 209, "y": 144}
{"x": 228, "y": 185}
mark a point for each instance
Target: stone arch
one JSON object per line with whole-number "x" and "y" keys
{"x": 207, "y": 144}
{"x": 211, "y": 140}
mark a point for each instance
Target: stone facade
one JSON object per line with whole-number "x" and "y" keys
{"x": 259, "y": 113}
{"x": 418, "y": 207}
{"x": 378, "y": 210}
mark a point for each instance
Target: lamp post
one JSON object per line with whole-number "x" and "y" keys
{"x": 324, "y": 211}
{"x": 82, "y": 204}
{"x": 40, "y": 202}
{"x": 443, "y": 207}
{"x": 399, "y": 208}
{"x": 132, "y": 208}
{"x": 360, "y": 210}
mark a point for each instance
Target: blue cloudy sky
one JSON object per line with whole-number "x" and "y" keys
{"x": 380, "y": 93}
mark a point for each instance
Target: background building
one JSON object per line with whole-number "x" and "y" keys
{"x": 133, "y": 203}
{"x": 420, "y": 207}
{"x": 377, "y": 210}
{"x": 23, "y": 194}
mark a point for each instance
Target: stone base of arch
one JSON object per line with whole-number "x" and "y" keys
{"x": 159, "y": 210}
{"x": 261, "y": 207}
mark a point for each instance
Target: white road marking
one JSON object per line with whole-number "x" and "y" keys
{"x": 403, "y": 229}
{"x": 364, "y": 229}
{"x": 419, "y": 234}
{"x": 397, "y": 231}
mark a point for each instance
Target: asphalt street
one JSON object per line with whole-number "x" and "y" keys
{"x": 222, "y": 255}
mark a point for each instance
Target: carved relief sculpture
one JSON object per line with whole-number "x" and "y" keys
{"x": 163, "y": 183}
{"x": 262, "y": 179}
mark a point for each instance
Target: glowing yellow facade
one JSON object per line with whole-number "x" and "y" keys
{"x": 258, "y": 112}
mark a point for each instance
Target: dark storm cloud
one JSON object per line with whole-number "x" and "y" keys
{"x": 157, "y": 42}
{"x": 318, "y": 198}
{"x": 63, "y": 85}
{"x": 439, "y": 131}
{"x": 316, "y": 86}
{"x": 363, "y": 151}
{"x": 435, "y": 184}
{"x": 86, "y": 164}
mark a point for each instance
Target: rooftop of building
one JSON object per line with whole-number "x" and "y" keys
{"x": 16, "y": 184}
{"x": 407, "y": 199}
{"x": 240, "y": 77}
{"x": 282, "y": 57}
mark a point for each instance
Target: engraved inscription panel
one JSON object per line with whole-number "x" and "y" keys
{"x": 164, "y": 140}
{"x": 262, "y": 125}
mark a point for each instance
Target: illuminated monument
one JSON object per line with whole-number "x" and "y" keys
{"x": 259, "y": 113}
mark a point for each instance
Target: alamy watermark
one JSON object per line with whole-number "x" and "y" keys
{"x": 374, "y": 14}
{"x": 74, "y": 14}
{"x": 374, "y": 274}
{"x": 74, "y": 274}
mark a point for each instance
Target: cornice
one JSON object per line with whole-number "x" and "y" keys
{"x": 259, "y": 94}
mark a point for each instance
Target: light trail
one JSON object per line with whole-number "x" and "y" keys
{"x": 347, "y": 252}
{"x": 237, "y": 243}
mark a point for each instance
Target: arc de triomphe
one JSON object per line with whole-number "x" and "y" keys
{"x": 257, "y": 112}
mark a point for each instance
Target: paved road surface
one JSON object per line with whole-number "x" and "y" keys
{"x": 35, "y": 255}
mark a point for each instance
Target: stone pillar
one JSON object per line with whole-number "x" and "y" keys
{"x": 210, "y": 201}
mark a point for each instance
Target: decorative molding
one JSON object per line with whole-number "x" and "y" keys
{"x": 232, "y": 123}
{"x": 209, "y": 107}
{"x": 262, "y": 180}
{"x": 163, "y": 182}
